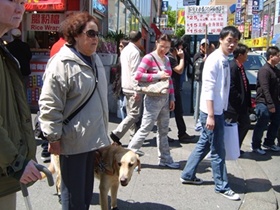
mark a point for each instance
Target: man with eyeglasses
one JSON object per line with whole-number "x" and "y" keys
{"x": 130, "y": 59}
{"x": 267, "y": 103}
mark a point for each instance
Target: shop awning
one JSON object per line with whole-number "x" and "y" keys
{"x": 157, "y": 31}
{"x": 275, "y": 39}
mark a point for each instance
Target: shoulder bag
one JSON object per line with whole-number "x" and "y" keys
{"x": 154, "y": 88}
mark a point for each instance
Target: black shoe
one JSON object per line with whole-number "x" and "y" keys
{"x": 170, "y": 139}
{"x": 45, "y": 156}
{"x": 115, "y": 138}
{"x": 186, "y": 137}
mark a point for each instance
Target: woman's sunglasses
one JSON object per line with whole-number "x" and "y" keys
{"x": 92, "y": 33}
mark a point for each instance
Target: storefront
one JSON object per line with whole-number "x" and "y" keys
{"x": 40, "y": 30}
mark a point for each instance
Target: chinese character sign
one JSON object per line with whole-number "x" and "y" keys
{"x": 44, "y": 21}
{"x": 197, "y": 17}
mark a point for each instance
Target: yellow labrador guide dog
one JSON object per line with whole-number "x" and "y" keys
{"x": 114, "y": 165}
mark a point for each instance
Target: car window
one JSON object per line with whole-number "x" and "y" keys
{"x": 254, "y": 62}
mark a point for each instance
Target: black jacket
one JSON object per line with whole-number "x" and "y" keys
{"x": 239, "y": 97}
{"x": 268, "y": 86}
{"x": 21, "y": 51}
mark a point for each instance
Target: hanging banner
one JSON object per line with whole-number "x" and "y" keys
{"x": 197, "y": 17}
{"x": 249, "y": 7}
{"x": 255, "y": 6}
{"x": 164, "y": 6}
{"x": 181, "y": 17}
{"x": 246, "y": 30}
{"x": 237, "y": 17}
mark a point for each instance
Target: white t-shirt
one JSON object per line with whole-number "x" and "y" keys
{"x": 215, "y": 82}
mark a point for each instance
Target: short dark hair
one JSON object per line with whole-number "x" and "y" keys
{"x": 134, "y": 36}
{"x": 240, "y": 49}
{"x": 271, "y": 51}
{"x": 75, "y": 24}
{"x": 230, "y": 30}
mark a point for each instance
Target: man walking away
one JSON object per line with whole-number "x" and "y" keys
{"x": 130, "y": 59}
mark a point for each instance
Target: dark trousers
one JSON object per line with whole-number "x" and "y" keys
{"x": 178, "y": 112}
{"x": 243, "y": 126}
{"x": 77, "y": 178}
{"x": 266, "y": 120}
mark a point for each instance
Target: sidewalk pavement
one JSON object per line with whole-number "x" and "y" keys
{"x": 254, "y": 177}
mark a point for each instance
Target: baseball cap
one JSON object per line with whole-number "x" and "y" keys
{"x": 203, "y": 41}
{"x": 16, "y": 32}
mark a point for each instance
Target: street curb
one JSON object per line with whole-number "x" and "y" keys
{"x": 259, "y": 191}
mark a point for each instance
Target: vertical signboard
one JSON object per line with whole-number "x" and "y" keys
{"x": 164, "y": 6}
{"x": 238, "y": 13}
{"x": 197, "y": 17}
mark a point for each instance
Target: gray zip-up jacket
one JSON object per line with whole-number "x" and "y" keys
{"x": 67, "y": 83}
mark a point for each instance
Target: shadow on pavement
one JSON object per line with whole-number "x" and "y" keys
{"x": 257, "y": 157}
{"x": 131, "y": 204}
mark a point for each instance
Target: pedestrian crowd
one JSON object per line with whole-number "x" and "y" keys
{"x": 74, "y": 106}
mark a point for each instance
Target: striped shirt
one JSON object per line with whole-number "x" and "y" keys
{"x": 147, "y": 71}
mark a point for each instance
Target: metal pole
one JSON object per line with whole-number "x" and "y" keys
{"x": 268, "y": 27}
{"x": 198, "y": 87}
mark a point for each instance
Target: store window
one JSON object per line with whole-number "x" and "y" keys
{"x": 113, "y": 15}
{"x": 122, "y": 17}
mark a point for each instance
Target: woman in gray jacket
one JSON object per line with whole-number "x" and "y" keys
{"x": 69, "y": 80}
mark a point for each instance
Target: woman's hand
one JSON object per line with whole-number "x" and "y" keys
{"x": 171, "y": 105}
{"x": 163, "y": 75}
{"x": 54, "y": 147}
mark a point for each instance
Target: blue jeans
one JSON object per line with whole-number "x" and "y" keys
{"x": 265, "y": 117}
{"x": 210, "y": 140}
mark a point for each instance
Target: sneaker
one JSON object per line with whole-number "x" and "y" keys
{"x": 140, "y": 153}
{"x": 198, "y": 127}
{"x": 45, "y": 155}
{"x": 195, "y": 181}
{"x": 230, "y": 194}
{"x": 259, "y": 151}
{"x": 274, "y": 147}
{"x": 170, "y": 165}
{"x": 115, "y": 138}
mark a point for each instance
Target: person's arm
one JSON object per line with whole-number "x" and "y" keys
{"x": 12, "y": 162}
{"x": 209, "y": 83}
{"x": 235, "y": 95}
{"x": 52, "y": 101}
{"x": 264, "y": 81}
{"x": 180, "y": 67}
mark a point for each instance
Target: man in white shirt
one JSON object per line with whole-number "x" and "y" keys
{"x": 213, "y": 102}
{"x": 130, "y": 59}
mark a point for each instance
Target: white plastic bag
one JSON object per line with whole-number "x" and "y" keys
{"x": 231, "y": 141}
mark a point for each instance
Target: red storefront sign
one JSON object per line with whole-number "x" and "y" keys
{"x": 45, "y": 5}
{"x": 44, "y": 21}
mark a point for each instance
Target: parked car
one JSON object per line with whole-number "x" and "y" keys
{"x": 254, "y": 62}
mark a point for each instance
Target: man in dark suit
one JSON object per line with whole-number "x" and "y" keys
{"x": 240, "y": 93}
